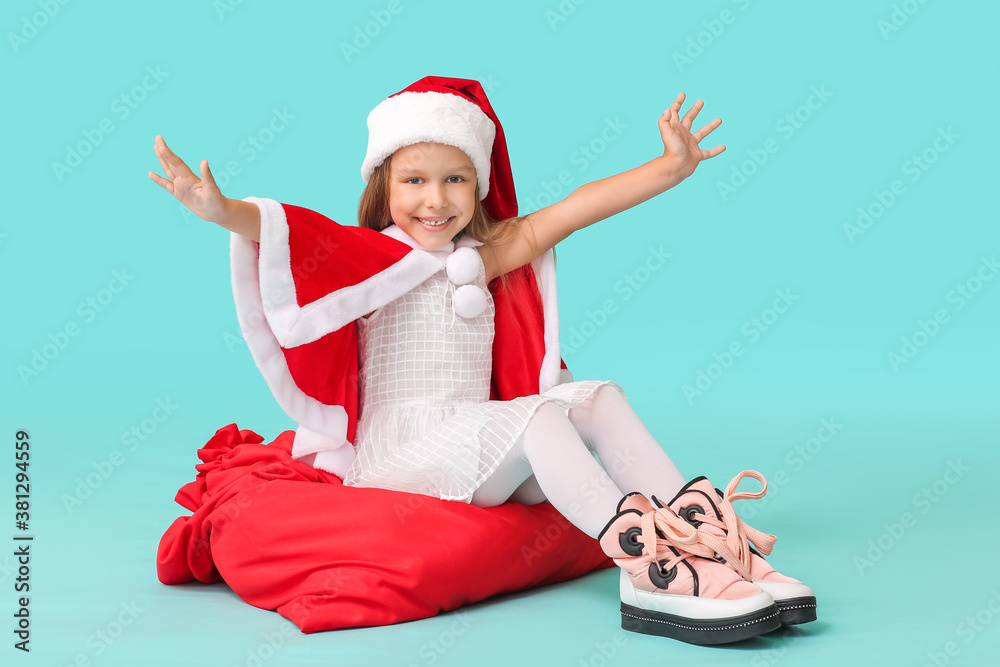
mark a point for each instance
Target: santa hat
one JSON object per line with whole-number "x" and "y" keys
{"x": 449, "y": 111}
{"x": 301, "y": 289}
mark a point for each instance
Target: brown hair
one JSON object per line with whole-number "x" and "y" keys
{"x": 373, "y": 213}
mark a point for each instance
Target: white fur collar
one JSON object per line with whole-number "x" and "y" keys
{"x": 395, "y": 232}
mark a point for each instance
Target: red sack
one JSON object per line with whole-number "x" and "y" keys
{"x": 292, "y": 538}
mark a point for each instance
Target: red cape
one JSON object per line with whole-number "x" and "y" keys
{"x": 300, "y": 291}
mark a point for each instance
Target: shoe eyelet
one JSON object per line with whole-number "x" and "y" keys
{"x": 659, "y": 577}
{"x": 629, "y": 541}
{"x": 688, "y": 514}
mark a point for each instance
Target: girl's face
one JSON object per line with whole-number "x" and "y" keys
{"x": 432, "y": 192}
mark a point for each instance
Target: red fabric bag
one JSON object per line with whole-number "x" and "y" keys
{"x": 289, "y": 537}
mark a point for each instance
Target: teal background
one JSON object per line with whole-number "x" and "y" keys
{"x": 171, "y": 333}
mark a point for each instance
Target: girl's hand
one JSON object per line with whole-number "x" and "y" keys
{"x": 201, "y": 195}
{"x": 680, "y": 145}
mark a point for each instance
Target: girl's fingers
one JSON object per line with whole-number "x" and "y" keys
{"x": 673, "y": 111}
{"x": 678, "y": 101}
{"x": 162, "y": 182}
{"x": 712, "y": 153}
{"x": 164, "y": 155}
{"x": 163, "y": 163}
{"x": 692, "y": 113}
{"x": 163, "y": 143}
{"x": 173, "y": 163}
{"x": 707, "y": 128}
{"x": 207, "y": 178}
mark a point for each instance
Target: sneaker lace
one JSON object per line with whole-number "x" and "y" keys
{"x": 677, "y": 533}
{"x": 739, "y": 534}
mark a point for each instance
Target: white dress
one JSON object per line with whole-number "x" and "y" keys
{"x": 426, "y": 423}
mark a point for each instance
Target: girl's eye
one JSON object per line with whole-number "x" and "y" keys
{"x": 417, "y": 178}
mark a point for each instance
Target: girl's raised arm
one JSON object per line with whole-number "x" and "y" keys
{"x": 601, "y": 199}
{"x": 203, "y": 196}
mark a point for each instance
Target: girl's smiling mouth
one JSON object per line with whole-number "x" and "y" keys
{"x": 434, "y": 225}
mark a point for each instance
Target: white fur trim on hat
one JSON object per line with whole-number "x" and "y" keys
{"x": 444, "y": 118}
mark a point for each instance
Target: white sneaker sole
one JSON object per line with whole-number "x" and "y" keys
{"x": 696, "y": 620}
{"x": 796, "y": 602}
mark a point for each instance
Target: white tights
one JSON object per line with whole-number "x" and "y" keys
{"x": 553, "y": 460}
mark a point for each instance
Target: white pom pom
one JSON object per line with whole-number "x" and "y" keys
{"x": 469, "y": 301}
{"x": 463, "y": 265}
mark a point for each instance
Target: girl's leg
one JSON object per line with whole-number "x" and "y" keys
{"x": 608, "y": 424}
{"x": 509, "y": 476}
{"x": 565, "y": 470}
{"x": 529, "y": 493}
{"x": 628, "y": 451}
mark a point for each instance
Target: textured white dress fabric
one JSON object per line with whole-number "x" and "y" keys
{"x": 426, "y": 423}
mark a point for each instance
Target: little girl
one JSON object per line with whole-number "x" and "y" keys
{"x": 431, "y": 291}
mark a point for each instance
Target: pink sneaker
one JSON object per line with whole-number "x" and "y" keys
{"x": 711, "y": 512}
{"x": 667, "y": 589}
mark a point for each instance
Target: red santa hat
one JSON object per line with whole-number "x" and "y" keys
{"x": 446, "y": 111}
{"x": 301, "y": 289}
